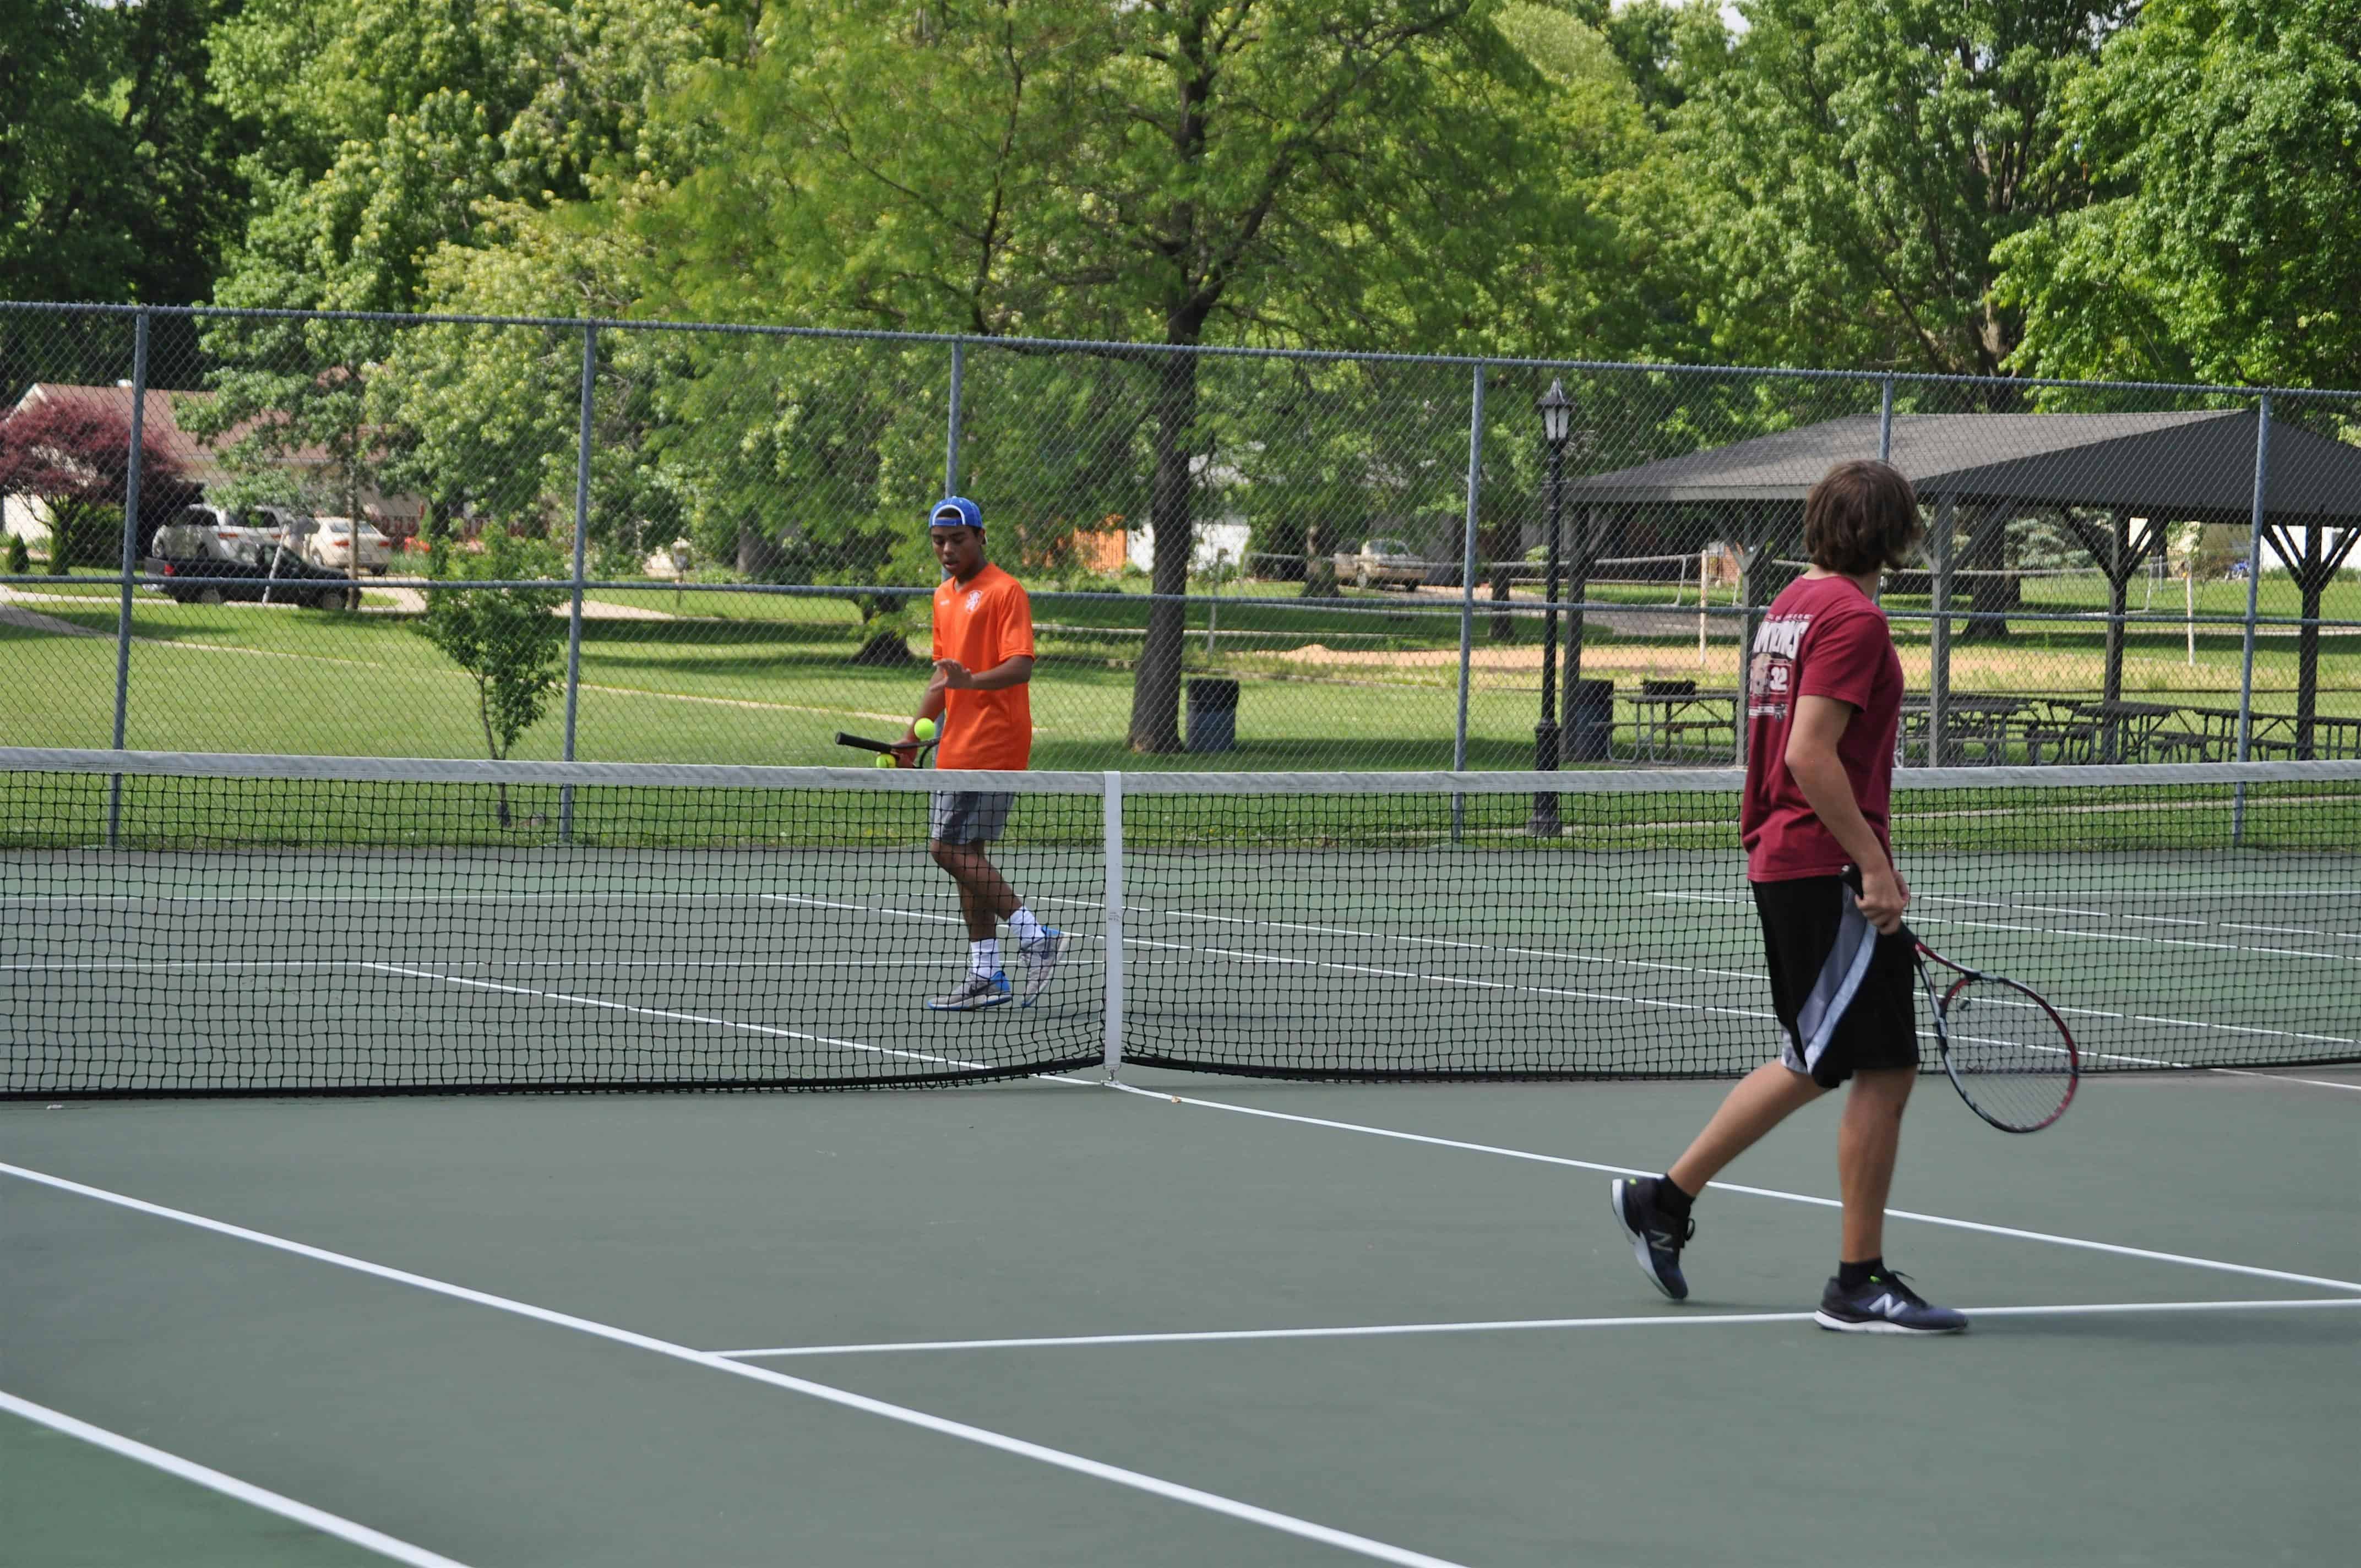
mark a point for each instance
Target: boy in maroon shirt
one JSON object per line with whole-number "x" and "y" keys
{"x": 1823, "y": 699}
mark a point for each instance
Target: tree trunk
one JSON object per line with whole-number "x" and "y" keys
{"x": 1319, "y": 562}
{"x": 1991, "y": 590}
{"x": 1156, "y": 684}
{"x": 759, "y": 556}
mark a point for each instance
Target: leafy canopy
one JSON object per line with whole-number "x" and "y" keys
{"x": 2225, "y": 138}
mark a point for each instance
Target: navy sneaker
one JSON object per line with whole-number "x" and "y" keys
{"x": 1886, "y": 1305}
{"x": 1656, "y": 1237}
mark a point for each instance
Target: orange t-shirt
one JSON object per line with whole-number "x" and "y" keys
{"x": 983, "y": 623}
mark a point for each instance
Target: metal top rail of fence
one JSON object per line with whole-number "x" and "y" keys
{"x": 1263, "y": 559}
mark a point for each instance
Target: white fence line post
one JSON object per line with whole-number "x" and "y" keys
{"x": 1113, "y": 814}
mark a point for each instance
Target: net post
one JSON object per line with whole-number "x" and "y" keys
{"x": 951, "y": 434}
{"x": 1467, "y": 592}
{"x": 581, "y": 536}
{"x": 1113, "y": 816}
{"x": 130, "y": 562}
{"x": 2253, "y": 584}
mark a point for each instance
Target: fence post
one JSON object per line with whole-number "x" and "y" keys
{"x": 581, "y": 538}
{"x": 130, "y": 563}
{"x": 1938, "y": 631}
{"x": 1467, "y": 589}
{"x": 1885, "y": 424}
{"x": 951, "y": 437}
{"x": 2254, "y": 584}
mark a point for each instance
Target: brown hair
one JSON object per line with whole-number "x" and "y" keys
{"x": 1861, "y": 516}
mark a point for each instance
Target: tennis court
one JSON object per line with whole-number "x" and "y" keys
{"x": 1190, "y": 1319}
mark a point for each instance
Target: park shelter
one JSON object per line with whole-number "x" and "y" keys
{"x": 2093, "y": 473}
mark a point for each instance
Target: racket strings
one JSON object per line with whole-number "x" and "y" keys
{"x": 2008, "y": 1052}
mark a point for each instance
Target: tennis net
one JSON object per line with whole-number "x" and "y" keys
{"x": 203, "y": 925}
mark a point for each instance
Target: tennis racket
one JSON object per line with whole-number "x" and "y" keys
{"x": 913, "y": 755}
{"x": 2008, "y": 1052}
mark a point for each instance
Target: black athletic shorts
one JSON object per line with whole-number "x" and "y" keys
{"x": 1846, "y": 998}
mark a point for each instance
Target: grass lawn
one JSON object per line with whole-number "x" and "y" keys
{"x": 751, "y": 678}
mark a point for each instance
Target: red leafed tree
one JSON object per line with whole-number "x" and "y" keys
{"x": 73, "y": 458}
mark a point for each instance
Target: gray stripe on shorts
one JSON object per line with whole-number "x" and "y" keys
{"x": 1840, "y": 976}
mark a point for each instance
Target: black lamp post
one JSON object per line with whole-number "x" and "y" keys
{"x": 1557, "y": 423}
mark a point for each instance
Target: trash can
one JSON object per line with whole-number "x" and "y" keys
{"x": 1213, "y": 714}
{"x": 1590, "y": 720}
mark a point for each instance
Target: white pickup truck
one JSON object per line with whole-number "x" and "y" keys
{"x": 1383, "y": 563}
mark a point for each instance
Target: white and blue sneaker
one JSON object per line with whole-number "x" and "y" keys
{"x": 975, "y": 991}
{"x": 1041, "y": 961}
{"x": 1884, "y": 1304}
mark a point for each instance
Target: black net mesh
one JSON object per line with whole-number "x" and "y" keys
{"x": 260, "y": 926}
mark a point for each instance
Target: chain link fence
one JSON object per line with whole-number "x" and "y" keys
{"x": 374, "y": 535}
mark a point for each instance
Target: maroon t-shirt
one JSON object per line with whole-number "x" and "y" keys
{"x": 1823, "y": 637}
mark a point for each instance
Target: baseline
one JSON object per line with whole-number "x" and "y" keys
{"x": 1098, "y": 1470}
{"x": 1374, "y": 1330}
{"x": 261, "y": 1498}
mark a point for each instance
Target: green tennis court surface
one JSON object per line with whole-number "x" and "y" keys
{"x": 2180, "y": 1393}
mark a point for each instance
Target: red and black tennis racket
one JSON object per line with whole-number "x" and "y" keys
{"x": 2007, "y": 1052}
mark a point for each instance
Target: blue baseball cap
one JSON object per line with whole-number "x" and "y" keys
{"x": 955, "y": 512}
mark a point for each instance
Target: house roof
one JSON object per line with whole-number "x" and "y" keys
{"x": 2183, "y": 464}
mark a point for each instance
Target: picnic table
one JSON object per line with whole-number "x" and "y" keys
{"x": 1971, "y": 722}
{"x": 2118, "y": 722}
{"x": 1662, "y": 719}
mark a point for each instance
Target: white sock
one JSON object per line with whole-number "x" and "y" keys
{"x": 1027, "y": 931}
{"x": 983, "y": 956}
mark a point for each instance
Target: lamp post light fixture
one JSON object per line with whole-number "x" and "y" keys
{"x": 1557, "y": 423}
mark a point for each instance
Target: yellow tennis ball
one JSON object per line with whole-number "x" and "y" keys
{"x": 924, "y": 729}
{"x": 884, "y": 760}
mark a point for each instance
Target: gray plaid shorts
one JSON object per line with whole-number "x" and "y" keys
{"x": 969, "y": 816}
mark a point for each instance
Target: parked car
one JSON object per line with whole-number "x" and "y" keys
{"x": 215, "y": 533}
{"x": 1381, "y": 563}
{"x": 331, "y": 544}
{"x": 204, "y": 570}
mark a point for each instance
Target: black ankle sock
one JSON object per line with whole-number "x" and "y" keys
{"x": 1671, "y": 1200}
{"x": 1853, "y": 1276}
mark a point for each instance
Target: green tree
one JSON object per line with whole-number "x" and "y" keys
{"x": 2225, "y": 137}
{"x": 509, "y": 641}
{"x": 1848, "y": 167}
{"x": 116, "y": 166}
{"x": 74, "y": 457}
{"x": 1173, "y": 173}
{"x": 385, "y": 124}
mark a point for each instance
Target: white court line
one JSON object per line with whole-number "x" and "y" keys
{"x": 229, "y": 1486}
{"x": 671, "y": 1015}
{"x": 1146, "y": 912}
{"x": 1377, "y": 1330}
{"x": 1097, "y": 1470}
{"x": 1943, "y": 1220}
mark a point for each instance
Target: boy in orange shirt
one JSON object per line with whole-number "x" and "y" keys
{"x": 984, "y": 663}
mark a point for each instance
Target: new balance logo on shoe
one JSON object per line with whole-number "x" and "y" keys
{"x": 1889, "y": 1305}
